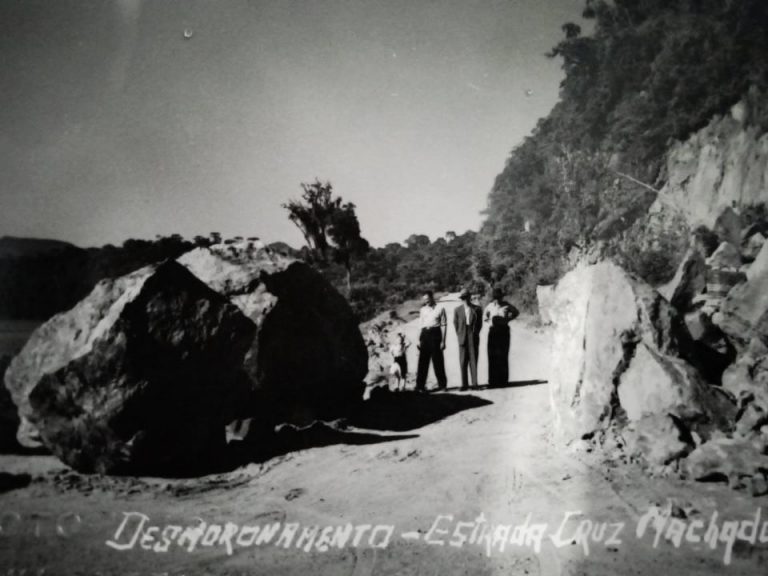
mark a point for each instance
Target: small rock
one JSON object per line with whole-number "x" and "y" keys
{"x": 759, "y": 485}
{"x": 689, "y": 281}
{"x": 726, "y": 458}
{"x": 294, "y": 493}
{"x": 727, "y": 256}
{"x": 659, "y": 439}
{"x": 677, "y": 512}
{"x": 752, "y": 247}
{"x": 728, "y": 227}
{"x": 752, "y": 418}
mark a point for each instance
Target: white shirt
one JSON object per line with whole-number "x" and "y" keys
{"x": 494, "y": 309}
{"x": 432, "y": 316}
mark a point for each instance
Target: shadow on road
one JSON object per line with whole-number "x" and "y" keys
{"x": 289, "y": 438}
{"x": 408, "y": 410}
{"x": 383, "y": 411}
{"x": 10, "y": 482}
{"x": 514, "y": 384}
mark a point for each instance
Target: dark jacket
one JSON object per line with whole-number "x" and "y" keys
{"x": 465, "y": 326}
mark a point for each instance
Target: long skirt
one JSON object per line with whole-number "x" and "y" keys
{"x": 498, "y": 356}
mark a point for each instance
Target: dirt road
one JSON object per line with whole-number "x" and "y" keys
{"x": 480, "y": 491}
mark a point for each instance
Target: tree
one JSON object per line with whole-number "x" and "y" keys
{"x": 344, "y": 232}
{"x": 312, "y": 215}
{"x": 417, "y": 241}
{"x": 329, "y": 226}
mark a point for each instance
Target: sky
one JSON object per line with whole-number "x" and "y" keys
{"x": 131, "y": 118}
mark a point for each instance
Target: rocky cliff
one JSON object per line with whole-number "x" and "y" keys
{"x": 723, "y": 165}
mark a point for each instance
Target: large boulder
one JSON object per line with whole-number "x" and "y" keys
{"x": 141, "y": 376}
{"x": 597, "y": 315}
{"x": 616, "y": 349}
{"x": 9, "y": 418}
{"x": 307, "y": 359}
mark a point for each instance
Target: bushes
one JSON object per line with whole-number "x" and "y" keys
{"x": 385, "y": 277}
{"x": 365, "y": 300}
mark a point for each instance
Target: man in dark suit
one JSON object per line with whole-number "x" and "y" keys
{"x": 467, "y": 319}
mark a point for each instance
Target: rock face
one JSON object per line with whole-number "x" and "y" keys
{"x": 307, "y": 359}
{"x": 744, "y": 312}
{"x": 616, "y": 350}
{"x": 721, "y": 166}
{"x": 544, "y": 298}
{"x": 141, "y": 376}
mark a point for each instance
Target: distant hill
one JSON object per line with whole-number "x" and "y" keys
{"x": 40, "y": 277}
{"x": 15, "y": 247}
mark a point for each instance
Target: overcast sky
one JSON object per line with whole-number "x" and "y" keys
{"x": 115, "y": 124}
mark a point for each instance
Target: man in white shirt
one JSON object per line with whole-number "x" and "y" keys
{"x": 431, "y": 343}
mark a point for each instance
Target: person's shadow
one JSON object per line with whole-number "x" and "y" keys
{"x": 513, "y": 384}
{"x": 408, "y": 410}
{"x": 287, "y": 438}
{"x": 383, "y": 411}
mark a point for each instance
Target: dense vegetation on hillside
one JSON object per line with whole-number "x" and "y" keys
{"x": 652, "y": 71}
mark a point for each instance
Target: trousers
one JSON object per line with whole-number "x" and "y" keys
{"x": 498, "y": 356}
{"x": 468, "y": 360}
{"x": 430, "y": 350}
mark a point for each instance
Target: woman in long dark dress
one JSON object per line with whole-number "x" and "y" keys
{"x": 498, "y": 313}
